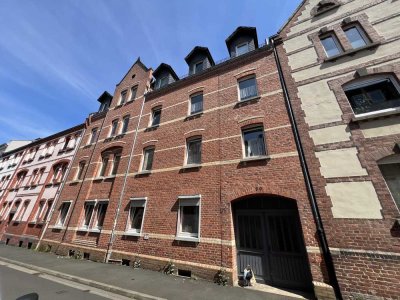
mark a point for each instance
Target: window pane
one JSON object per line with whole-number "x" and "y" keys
{"x": 391, "y": 173}
{"x": 49, "y": 204}
{"x": 330, "y": 46}
{"x": 198, "y": 67}
{"x": 242, "y": 49}
{"x": 355, "y": 38}
{"x": 133, "y": 93}
{"x": 104, "y": 166}
{"x": 248, "y": 88}
{"x": 374, "y": 97}
{"x": 190, "y": 220}
{"x": 114, "y": 128}
{"x": 163, "y": 81}
{"x": 254, "y": 142}
{"x": 148, "y": 159}
{"x": 101, "y": 214}
{"x": 94, "y": 136}
{"x": 115, "y": 164}
{"x": 88, "y": 214}
{"x": 156, "y": 117}
{"x": 136, "y": 215}
{"x": 194, "y": 152}
{"x": 80, "y": 171}
{"x": 196, "y": 104}
{"x": 125, "y": 123}
{"x": 123, "y": 97}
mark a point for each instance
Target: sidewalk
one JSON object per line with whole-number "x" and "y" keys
{"x": 134, "y": 283}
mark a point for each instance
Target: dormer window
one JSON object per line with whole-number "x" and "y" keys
{"x": 162, "y": 82}
{"x": 199, "y": 59}
{"x": 198, "y": 67}
{"x": 164, "y": 75}
{"x": 105, "y": 100}
{"x": 242, "y": 49}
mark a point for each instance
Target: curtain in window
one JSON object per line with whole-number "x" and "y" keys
{"x": 190, "y": 220}
{"x": 194, "y": 152}
{"x": 248, "y": 88}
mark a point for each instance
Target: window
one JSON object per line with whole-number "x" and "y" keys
{"x": 50, "y": 150}
{"x": 331, "y": 46}
{"x": 123, "y": 97}
{"x": 114, "y": 126}
{"x": 67, "y": 140}
{"x": 88, "y": 209}
{"x": 20, "y": 214}
{"x": 34, "y": 177}
{"x": 63, "y": 213}
{"x": 104, "y": 163}
{"x": 125, "y": 123}
{"x": 148, "y": 159}
{"x": 59, "y": 172}
{"x": 162, "y": 82}
{"x": 198, "y": 67}
{"x": 101, "y": 214}
{"x": 39, "y": 211}
{"x": 104, "y": 106}
{"x": 193, "y": 148}
{"x": 93, "y": 136}
{"x": 44, "y": 151}
{"x": 136, "y": 214}
{"x": 3, "y": 210}
{"x": 156, "y": 116}
{"x": 41, "y": 172}
{"x": 253, "y": 139}
{"x": 242, "y": 49}
{"x": 81, "y": 167}
{"x": 20, "y": 178}
{"x": 116, "y": 161}
{"x": 48, "y": 209}
{"x": 133, "y": 93}
{"x": 189, "y": 217}
{"x": 373, "y": 94}
{"x": 391, "y": 173}
{"x": 196, "y": 104}
{"x": 356, "y": 37}
{"x": 247, "y": 88}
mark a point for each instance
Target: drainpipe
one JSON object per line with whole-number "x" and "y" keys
{"x": 307, "y": 178}
{"x": 121, "y": 197}
{"x": 58, "y": 193}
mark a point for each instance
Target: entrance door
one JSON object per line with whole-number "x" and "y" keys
{"x": 270, "y": 241}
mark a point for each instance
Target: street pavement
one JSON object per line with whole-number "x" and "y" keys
{"x": 134, "y": 283}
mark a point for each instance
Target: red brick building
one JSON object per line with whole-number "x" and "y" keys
{"x": 203, "y": 171}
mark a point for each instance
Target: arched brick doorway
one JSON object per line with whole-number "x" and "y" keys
{"x": 269, "y": 238}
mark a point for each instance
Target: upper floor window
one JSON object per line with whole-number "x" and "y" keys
{"x": 104, "y": 164}
{"x": 125, "y": 123}
{"x": 198, "y": 67}
{"x": 373, "y": 94}
{"x": 34, "y": 177}
{"x": 156, "y": 116}
{"x": 133, "y": 93}
{"x": 196, "y": 104}
{"x": 253, "y": 139}
{"x": 93, "y": 136}
{"x": 114, "y": 126}
{"x": 59, "y": 172}
{"x": 81, "y": 167}
{"x": 123, "y": 97}
{"x": 331, "y": 45}
{"x": 20, "y": 179}
{"x": 112, "y": 156}
{"x": 247, "y": 88}
{"x": 242, "y": 49}
{"x": 356, "y": 36}
{"x": 64, "y": 208}
{"x": 116, "y": 160}
{"x": 148, "y": 155}
{"x": 162, "y": 82}
{"x": 66, "y": 142}
{"x": 193, "y": 148}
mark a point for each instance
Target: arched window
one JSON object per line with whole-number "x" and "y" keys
{"x": 373, "y": 93}
{"x": 110, "y": 159}
{"x": 20, "y": 179}
{"x": 59, "y": 171}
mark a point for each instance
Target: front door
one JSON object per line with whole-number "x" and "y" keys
{"x": 270, "y": 241}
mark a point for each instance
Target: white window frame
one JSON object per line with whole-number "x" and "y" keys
{"x": 60, "y": 224}
{"x": 142, "y": 164}
{"x": 241, "y": 45}
{"x": 113, "y": 128}
{"x": 39, "y": 212}
{"x": 119, "y": 154}
{"x": 21, "y": 211}
{"x": 87, "y": 203}
{"x": 135, "y": 202}
{"x": 155, "y": 109}
{"x": 122, "y": 101}
{"x": 366, "y": 82}
{"x": 93, "y": 136}
{"x": 335, "y": 40}
{"x": 252, "y": 76}
{"x": 80, "y": 170}
{"x": 195, "y": 64}
{"x": 193, "y": 139}
{"x": 190, "y": 113}
{"x": 160, "y": 81}
{"x": 123, "y": 125}
{"x": 188, "y": 200}
{"x": 135, "y": 87}
{"x": 249, "y": 128}
{"x": 95, "y": 225}
{"x": 103, "y": 166}
{"x": 49, "y": 203}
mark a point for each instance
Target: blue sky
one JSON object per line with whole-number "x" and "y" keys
{"x": 57, "y": 57}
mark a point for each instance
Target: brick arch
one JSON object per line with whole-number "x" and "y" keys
{"x": 247, "y": 193}
{"x": 116, "y": 144}
{"x": 113, "y": 148}
{"x": 380, "y": 153}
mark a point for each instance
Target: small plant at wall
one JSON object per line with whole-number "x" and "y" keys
{"x": 137, "y": 263}
{"x": 44, "y": 248}
{"x": 221, "y": 277}
{"x": 169, "y": 268}
{"x": 78, "y": 254}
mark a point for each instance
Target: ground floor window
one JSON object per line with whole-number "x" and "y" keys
{"x": 136, "y": 215}
{"x": 189, "y": 217}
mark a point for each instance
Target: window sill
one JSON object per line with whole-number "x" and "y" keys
{"x": 376, "y": 114}
{"x": 110, "y": 138}
{"x": 88, "y": 146}
{"x": 48, "y": 185}
{"x": 194, "y": 115}
{"x": 351, "y": 52}
{"x": 110, "y": 177}
{"x": 187, "y": 239}
{"x": 82, "y": 229}
{"x": 75, "y": 181}
{"x": 247, "y": 101}
{"x": 131, "y": 233}
{"x": 153, "y": 127}
{"x": 119, "y": 105}
{"x": 325, "y": 10}
{"x": 144, "y": 172}
{"x": 119, "y": 136}
{"x": 58, "y": 227}
{"x": 94, "y": 230}
{"x": 98, "y": 178}
{"x": 191, "y": 166}
{"x": 254, "y": 158}
{"x": 32, "y": 223}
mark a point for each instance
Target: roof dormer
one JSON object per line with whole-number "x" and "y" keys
{"x": 199, "y": 59}
{"x": 164, "y": 75}
{"x": 105, "y": 101}
{"x": 242, "y": 40}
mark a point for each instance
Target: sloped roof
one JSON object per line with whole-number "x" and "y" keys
{"x": 243, "y": 30}
{"x": 200, "y": 49}
{"x": 164, "y": 66}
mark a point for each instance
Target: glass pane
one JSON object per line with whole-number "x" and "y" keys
{"x": 123, "y": 97}
{"x": 125, "y": 125}
{"x": 242, "y": 49}
{"x": 148, "y": 159}
{"x": 94, "y": 135}
{"x": 101, "y": 214}
{"x": 355, "y": 38}
{"x": 133, "y": 93}
{"x": 391, "y": 173}
{"x": 198, "y": 67}
{"x": 254, "y": 142}
{"x": 115, "y": 164}
{"x": 163, "y": 81}
{"x": 190, "y": 220}
{"x": 196, "y": 104}
{"x": 104, "y": 166}
{"x": 374, "y": 97}
{"x": 156, "y": 117}
{"x": 330, "y": 46}
{"x": 88, "y": 214}
{"x": 136, "y": 216}
{"x": 248, "y": 88}
{"x": 194, "y": 152}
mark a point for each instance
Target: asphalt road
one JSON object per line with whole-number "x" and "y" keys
{"x": 17, "y": 281}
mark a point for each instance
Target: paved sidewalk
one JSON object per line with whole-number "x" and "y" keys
{"x": 134, "y": 283}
